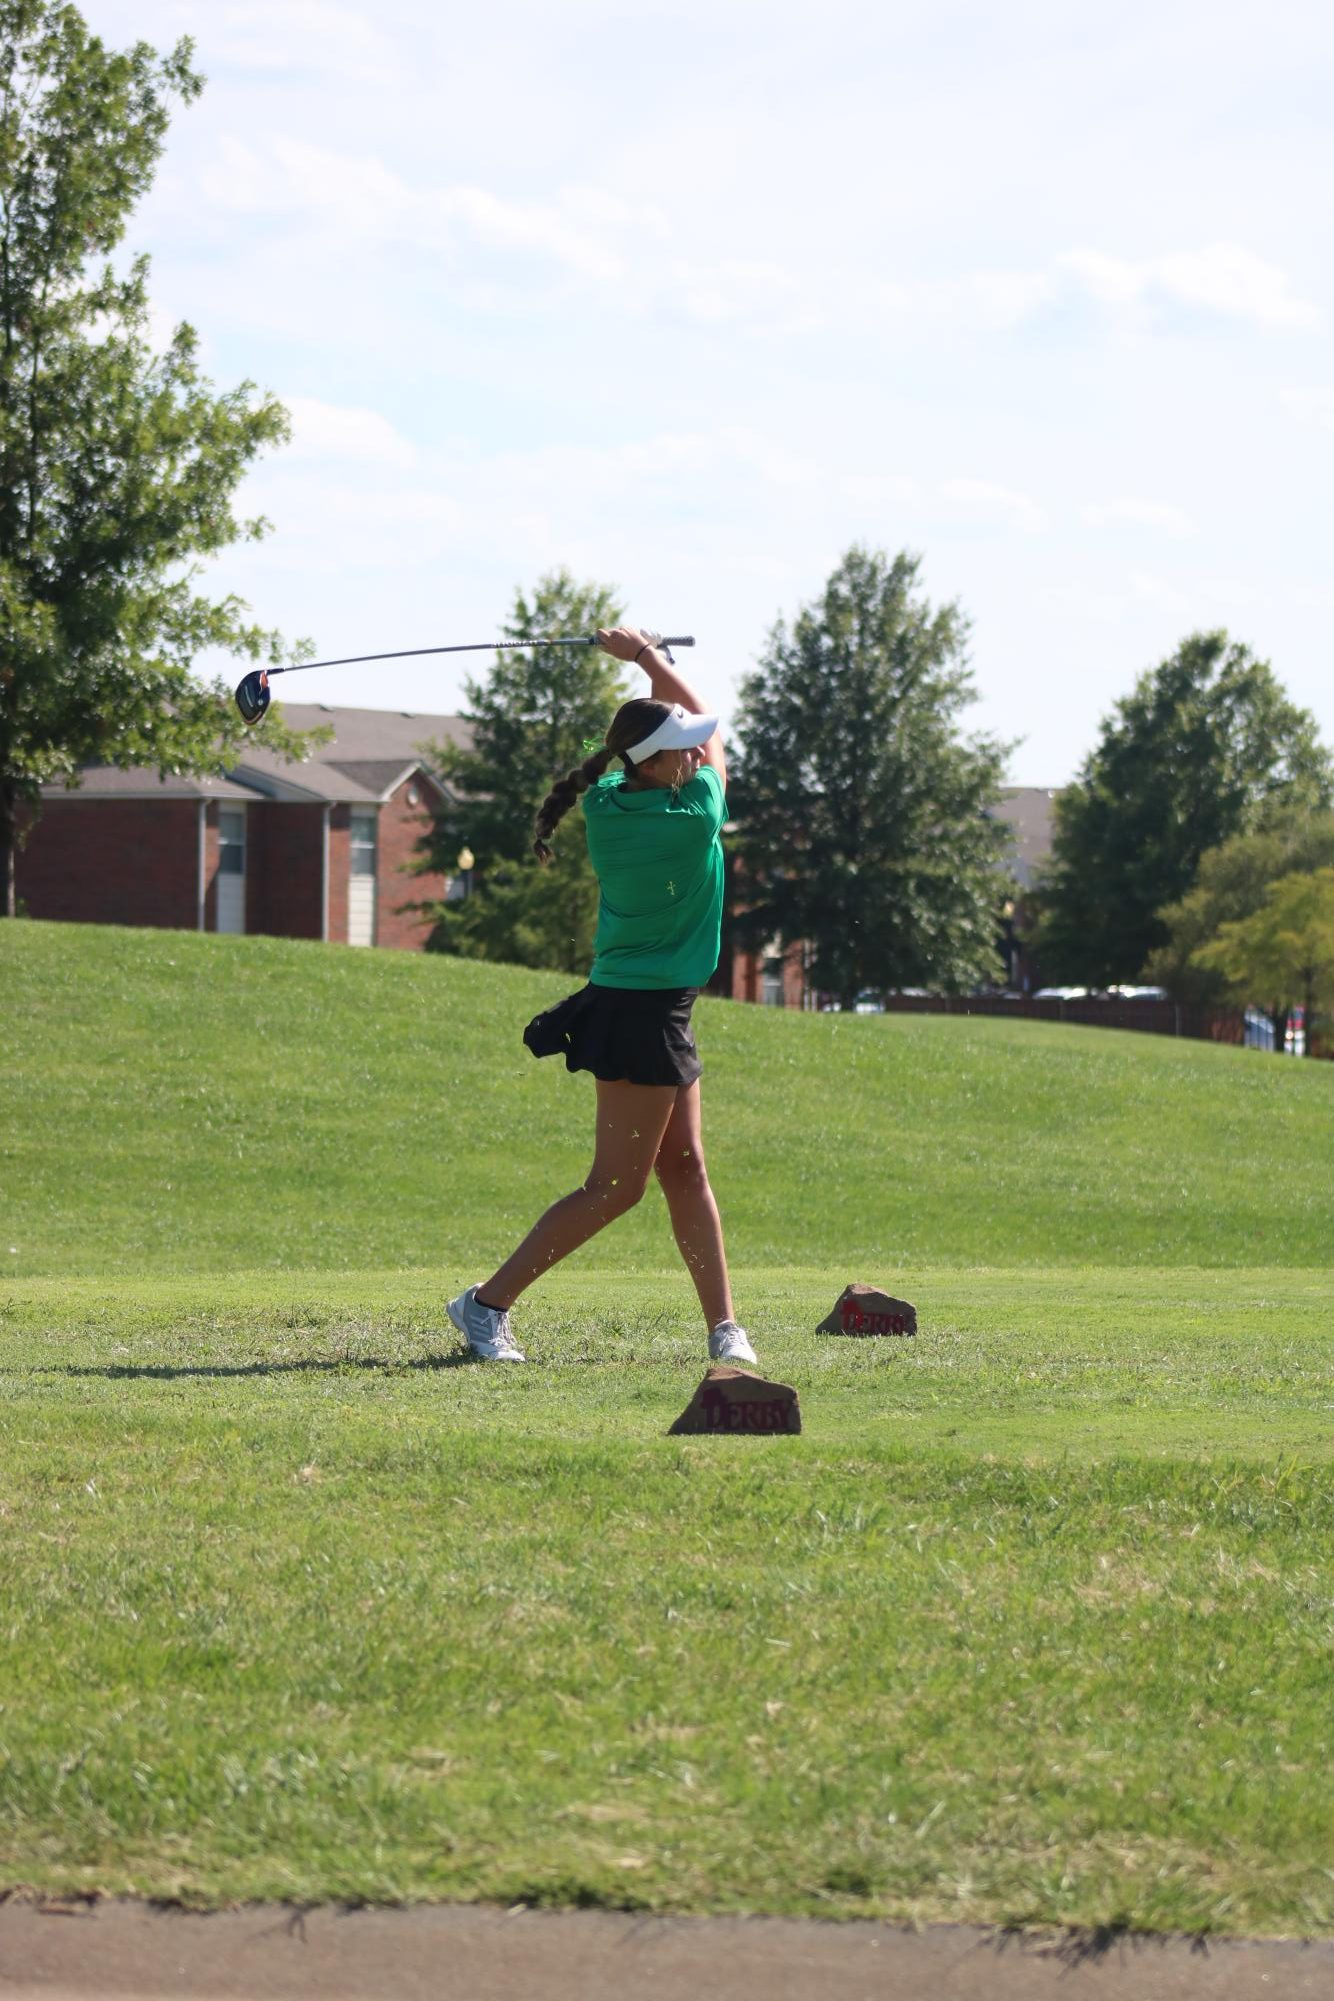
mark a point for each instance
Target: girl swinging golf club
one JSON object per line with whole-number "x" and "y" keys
{"x": 654, "y": 832}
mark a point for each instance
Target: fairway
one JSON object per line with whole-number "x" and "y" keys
{"x": 1032, "y": 1624}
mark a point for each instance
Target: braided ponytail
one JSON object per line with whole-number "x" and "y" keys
{"x": 563, "y": 795}
{"x": 632, "y": 722}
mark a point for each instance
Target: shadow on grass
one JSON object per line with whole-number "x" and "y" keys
{"x": 158, "y": 1372}
{"x": 1085, "y": 1945}
{"x": 685, "y": 1364}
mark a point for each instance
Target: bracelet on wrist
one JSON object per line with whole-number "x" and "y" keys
{"x": 647, "y": 647}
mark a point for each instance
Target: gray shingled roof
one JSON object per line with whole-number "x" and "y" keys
{"x": 379, "y": 775}
{"x": 371, "y": 752}
{"x": 105, "y": 781}
{"x": 311, "y": 779}
{"x": 373, "y": 733}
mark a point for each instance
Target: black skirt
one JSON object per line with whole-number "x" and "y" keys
{"x": 639, "y": 1035}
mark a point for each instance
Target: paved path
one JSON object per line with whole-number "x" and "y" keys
{"x": 133, "y": 1952}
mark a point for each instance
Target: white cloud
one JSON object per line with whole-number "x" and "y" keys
{"x": 599, "y": 206}
{"x": 316, "y": 187}
{"x": 660, "y": 461}
{"x": 993, "y": 300}
{"x": 334, "y": 431}
{"x": 874, "y": 489}
{"x": 1221, "y": 278}
{"x": 629, "y": 253}
{"x": 289, "y": 177}
{"x": 1140, "y": 513}
{"x": 561, "y": 503}
{"x": 1226, "y": 279}
{"x": 1099, "y": 606}
{"x": 336, "y": 527}
{"x": 297, "y": 35}
{"x": 717, "y": 294}
{"x": 620, "y": 247}
{"x": 1312, "y": 406}
{"x": 531, "y": 226}
{"x": 659, "y": 457}
{"x": 981, "y": 500}
{"x": 1153, "y": 590}
{"x": 1110, "y": 279}
{"x": 775, "y": 463}
{"x": 1003, "y": 299}
{"x": 590, "y": 233}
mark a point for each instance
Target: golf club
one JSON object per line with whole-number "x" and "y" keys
{"x": 254, "y": 695}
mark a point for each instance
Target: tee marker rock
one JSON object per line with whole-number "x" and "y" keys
{"x": 732, "y": 1400}
{"x": 864, "y": 1309}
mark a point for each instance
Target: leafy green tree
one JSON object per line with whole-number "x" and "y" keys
{"x": 530, "y": 719}
{"x": 863, "y": 817}
{"x": 117, "y": 465}
{"x": 1232, "y": 883}
{"x": 1206, "y": 747}
{"x": 1282, "y": 955}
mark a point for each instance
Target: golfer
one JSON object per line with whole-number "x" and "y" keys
{"x": 654, "y": 830}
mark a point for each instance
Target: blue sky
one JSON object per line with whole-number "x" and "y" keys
{"x": 688, "y": 297}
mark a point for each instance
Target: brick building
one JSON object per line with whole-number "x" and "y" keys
{"x": 311, "y": 850}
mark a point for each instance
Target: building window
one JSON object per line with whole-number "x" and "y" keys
{"x": 230, "y": 910}
{"x": 771, "y": 980}
{"x": 363, "y": 842}
{"x": 361, "y": 871}
{"x": 231, "y": 840}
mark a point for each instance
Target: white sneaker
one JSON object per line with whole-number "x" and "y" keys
{"x": 728, "y": 1343}
{"x": 485, "y": 1328}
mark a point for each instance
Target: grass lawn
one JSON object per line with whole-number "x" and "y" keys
{"x": 185, "y": 1103}
{"x": 1033, "y": 1623}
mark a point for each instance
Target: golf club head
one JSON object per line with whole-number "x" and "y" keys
{"x": 253, "y": 696}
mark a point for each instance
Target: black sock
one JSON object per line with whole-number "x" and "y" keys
{"x": 488, "y": 1305}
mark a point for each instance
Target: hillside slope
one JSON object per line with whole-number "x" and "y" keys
{"x": 175, "y": 1102}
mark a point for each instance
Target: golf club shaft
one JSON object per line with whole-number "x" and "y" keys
{"x": 483, "y": 646}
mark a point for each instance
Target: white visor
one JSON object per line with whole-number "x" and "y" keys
{"x": 678, "y": 731}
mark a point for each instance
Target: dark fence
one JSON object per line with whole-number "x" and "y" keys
{"x": 1151, "y": 1017}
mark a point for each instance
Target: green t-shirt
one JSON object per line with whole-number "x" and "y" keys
{"x": 659, "y": 861}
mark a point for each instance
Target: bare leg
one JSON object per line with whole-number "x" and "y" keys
{"x": 696, "y": 1224}
{"x": 631, "y": 1120}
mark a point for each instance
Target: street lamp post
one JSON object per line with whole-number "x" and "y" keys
{"x": 1009, "y": 944}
